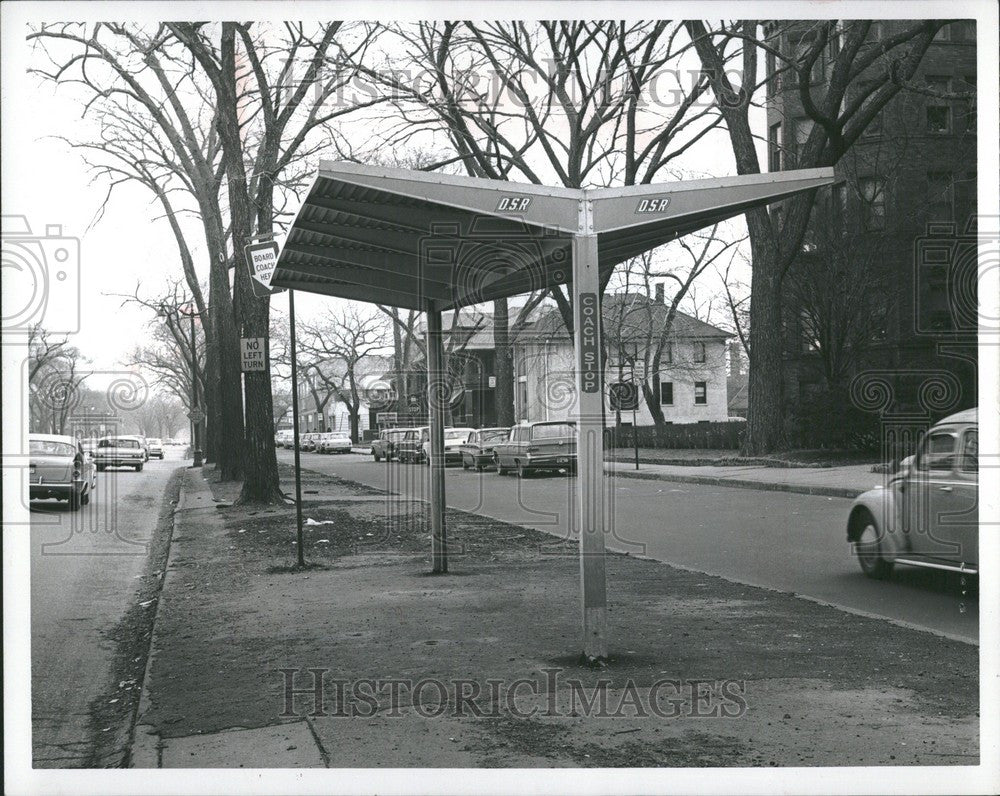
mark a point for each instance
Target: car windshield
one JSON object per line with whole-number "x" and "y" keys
{"x": 494, "y": 436}
{"x": 154, "y": 442}
{"x": 553, "y": 431}
{"x": 48, "y": 447}
{"x": 452, "y": 434}
{"x": 118, "y": 443}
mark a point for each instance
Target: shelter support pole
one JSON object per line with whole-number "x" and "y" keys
{"x": 590, "y": 484}
{"x": 437, "y": 397}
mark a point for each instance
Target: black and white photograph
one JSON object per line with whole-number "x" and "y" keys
{"x": 518, "y": 397}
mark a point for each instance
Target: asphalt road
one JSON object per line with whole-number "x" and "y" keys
{"x": 779, "y": 540}
{"x": 84, "y": 567}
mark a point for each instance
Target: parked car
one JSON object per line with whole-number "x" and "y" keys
{"x": 533, "y": 447}
{"x": 384, "y": 445}
{"x": 411, "y": 447}
{"x": 58, "y": 467}
{"x": 477, "y": 451}
{"x": 333, "y": 442}
{"x": 307, "y": 441}
{"x": 284, "y": 439}
{"x": 927, "y": 516}
{"x": 454, "y": 438}
{"x": 89, "y": 446}
{"x": 155, "y": 447}
{"x": 143, "y": 444}
{"x": 119, "y": 452}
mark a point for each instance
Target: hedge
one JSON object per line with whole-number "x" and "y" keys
{"x": 726, "y": 435}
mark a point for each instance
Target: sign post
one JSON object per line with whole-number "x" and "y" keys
{"x": 262, "y": 259}
{"x": 590, "y": 486}
{"x": 624, "y": 395}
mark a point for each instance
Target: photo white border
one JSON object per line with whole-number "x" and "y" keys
{"x": 985, "y": 778}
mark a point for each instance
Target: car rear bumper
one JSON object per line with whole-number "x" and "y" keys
{"x": 553, "y": 462}
{"x": 119, "y": 462}
{"x": 61, "y": 491}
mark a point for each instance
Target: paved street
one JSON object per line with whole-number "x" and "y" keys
{"x": 790, "y": 542}
{"x": 84, "y": 570}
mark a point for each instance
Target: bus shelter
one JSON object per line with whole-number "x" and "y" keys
{"x": 433, "y": 242}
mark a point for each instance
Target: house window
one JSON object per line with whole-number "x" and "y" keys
{"x": 968, "y": 106}
{"x": 835, "y": 40}
{"x": 666, "y": 393}
{"x": 699, "y": 352}
{"x": 774, "y": 147}
{"x": 963, "y": 30}
{"x": 701, "y": 392}
{"x": 839, "y": 206}
{"x": 803, "y": 129}
{"x": 668, "y": 354}
{"x": 941, "y": 195}
{"x": 938, "y": 107}
{"x": 872, "y": 192}
{"x": 772, "y": 78}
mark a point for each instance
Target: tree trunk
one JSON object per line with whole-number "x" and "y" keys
{"x": 504, "y": 364}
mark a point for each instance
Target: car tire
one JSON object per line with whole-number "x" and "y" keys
{"x": 377, "y": 457}
{"x": 75, "y": 501}
{"x": 869, "y": 550}
{"x": 101, "y": 468}
{"x": 85, "y": 496}
{"x": 138, "y": 468}
{"x": 500, "y": 469}
{"x": 523, "y": 471}
{"x": 465, "y": 464}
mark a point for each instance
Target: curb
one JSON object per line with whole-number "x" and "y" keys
{"x": 740, "y": 483}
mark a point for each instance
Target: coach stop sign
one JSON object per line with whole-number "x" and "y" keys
{"x": 434, "y": 242}
{"x": 261, "y": 260}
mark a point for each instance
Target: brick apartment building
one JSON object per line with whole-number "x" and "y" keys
{"x": 887, "y": 273}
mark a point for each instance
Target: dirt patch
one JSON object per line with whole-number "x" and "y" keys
{"x": 241, "y": 643}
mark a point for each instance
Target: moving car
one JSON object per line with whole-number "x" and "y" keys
{"x": 119, "y": 452}
{"x": 927, "y": 516}
{"x": 60, "y": 468}
{"x": 533, "y": 447}
{"x": 384, "y": 445}
{"x": 411, "y": 447}
{"x": 155, "y": 448}
{"x": 454, "y": 438}
{"x": 333, "y": 442}
{"x": 477, "y": 451}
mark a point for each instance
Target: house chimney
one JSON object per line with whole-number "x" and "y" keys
{"x": 659, "y": 292}
{"x": 735, "y": 359}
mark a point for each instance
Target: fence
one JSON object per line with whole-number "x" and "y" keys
{"x": 712, "y": 436}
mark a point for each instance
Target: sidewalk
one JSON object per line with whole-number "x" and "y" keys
{"x": 848, "y": 482}
{"x": 365, "y": 661}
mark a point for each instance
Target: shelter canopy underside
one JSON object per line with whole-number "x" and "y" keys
{"x": 406, "y": 238}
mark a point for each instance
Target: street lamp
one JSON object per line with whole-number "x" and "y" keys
{"x": 196, "y": 414}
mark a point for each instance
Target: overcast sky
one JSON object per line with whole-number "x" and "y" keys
{"x": 49, "y": 184}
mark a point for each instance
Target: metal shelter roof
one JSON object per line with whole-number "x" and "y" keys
{"x": 406, "y": 238}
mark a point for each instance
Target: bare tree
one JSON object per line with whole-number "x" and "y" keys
{"x": 639, "y": 325}
{"x": 577, "y": 102}
{"x": 883, "y": 67}
{"x": 56, "y": 372}
{"x": 342, "y": 346}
